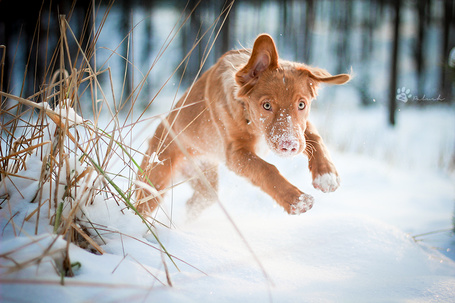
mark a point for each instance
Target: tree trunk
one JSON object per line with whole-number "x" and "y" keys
{"x": 394, "y": 69}
{"x": 447, "y": 44}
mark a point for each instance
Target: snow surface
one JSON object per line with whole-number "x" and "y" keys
{"x": 354, "y": 245}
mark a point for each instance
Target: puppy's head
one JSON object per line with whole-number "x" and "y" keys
{"x": 278, "y": 95}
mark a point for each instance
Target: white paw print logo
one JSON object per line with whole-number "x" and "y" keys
{"x": 403, "y": 94}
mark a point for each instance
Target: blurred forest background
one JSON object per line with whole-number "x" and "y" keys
{"x": 389, "y": 45}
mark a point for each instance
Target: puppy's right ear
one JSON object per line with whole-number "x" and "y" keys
{"x": 263, "y": 56}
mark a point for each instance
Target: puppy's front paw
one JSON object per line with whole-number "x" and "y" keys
{"x": 327, "y": 182}
{"x": 303, "y": 204}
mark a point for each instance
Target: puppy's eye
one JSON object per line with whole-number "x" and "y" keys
{"x": 302, "y": 105}
{"x": 267, "y": 106}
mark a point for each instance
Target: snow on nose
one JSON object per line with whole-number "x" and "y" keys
{"x": 288, "y": 146}
{"x": 284, "y": 137}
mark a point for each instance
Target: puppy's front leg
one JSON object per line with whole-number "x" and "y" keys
{"x": 247, "y": 164}
{"x": 324, "y": 173}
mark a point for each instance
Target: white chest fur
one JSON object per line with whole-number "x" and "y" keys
{"x": 261, "y": 148}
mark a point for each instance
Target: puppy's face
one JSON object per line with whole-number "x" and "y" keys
{"x": 279, "y": 106}
{"x": 277, "y": 95}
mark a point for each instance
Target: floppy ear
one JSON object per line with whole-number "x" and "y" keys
{"x": 263, "y": 56}
{"x": 321, "y": 75}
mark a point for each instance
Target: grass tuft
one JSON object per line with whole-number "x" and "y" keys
{"x": 64, "y": 159}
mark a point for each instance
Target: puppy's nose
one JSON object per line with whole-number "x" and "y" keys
{"x": 289, "y": 146}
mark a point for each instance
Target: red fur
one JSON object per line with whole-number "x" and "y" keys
{"x": 247, "y": 95}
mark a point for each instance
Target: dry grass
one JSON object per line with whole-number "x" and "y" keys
{"x": 75, "y": 155}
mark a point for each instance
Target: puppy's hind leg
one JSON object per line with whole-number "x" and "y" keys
{"x": 203, "y": 196}
{"x": 158, "y": 167}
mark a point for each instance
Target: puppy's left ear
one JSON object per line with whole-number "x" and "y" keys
{"x": 321, "y": 75}
{"x": 263, "y": 56}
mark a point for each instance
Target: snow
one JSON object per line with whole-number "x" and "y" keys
{"x": 67, "y": 112}
{"x": 155, "y": 159}
{"x": 354, "y": 245}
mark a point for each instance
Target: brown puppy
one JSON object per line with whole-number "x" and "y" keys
{"x": 247, "y": 96}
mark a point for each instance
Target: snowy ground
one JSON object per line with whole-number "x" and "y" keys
{"x": 355, "y": 245}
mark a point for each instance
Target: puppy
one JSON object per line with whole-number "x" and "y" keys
{"x": 247, "y": 97}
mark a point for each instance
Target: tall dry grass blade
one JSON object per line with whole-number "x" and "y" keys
{"x": 2, "y": 70}
{"x": 73, "y": 283}
{"x": 147, "y": 270}
{"x": 26, "y": 150}
{"x": 147, "y": 243}
{"x": 98, "y": 85}
{"x": 87, "y": 238}
{"x": 47, "y": 252}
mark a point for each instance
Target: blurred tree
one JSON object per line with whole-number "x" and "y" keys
{"x": 308, "y": 29}
{"x": 146, "y": 49}
{"x": 394, "y": 63}
{"x": 423, "y": 7}
{"x": 448, "y": 42}
{"x": 368, "y": 24}
{"x": 225, "y": 39}
{"x": 31, "y": 36}
{"x": 125, "y": 26}
{"x": 24, "y": 27}
{"x": 343, "y": 13}
{"x": 191, "y": 34}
